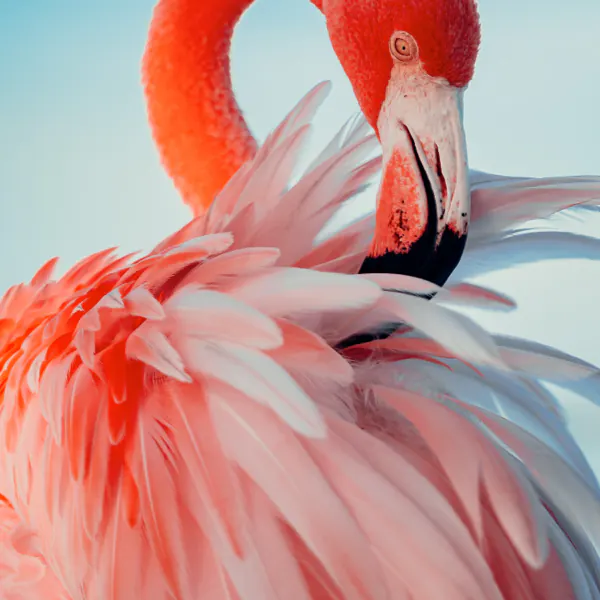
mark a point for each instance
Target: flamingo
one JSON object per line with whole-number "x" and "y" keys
{"x": 210, "y": 420}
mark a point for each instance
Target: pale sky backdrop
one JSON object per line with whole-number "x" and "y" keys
{"x": 78, "y": 171}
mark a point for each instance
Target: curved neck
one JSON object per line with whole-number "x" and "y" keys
{"x": 196, "y": 123}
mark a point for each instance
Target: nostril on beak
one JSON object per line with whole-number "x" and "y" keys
{"x": 440, "y": 173}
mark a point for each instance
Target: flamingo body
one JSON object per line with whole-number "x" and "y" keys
{"x": 180, "y": 426}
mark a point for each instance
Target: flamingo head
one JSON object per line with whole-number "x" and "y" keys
{"x": 409, "y": 62}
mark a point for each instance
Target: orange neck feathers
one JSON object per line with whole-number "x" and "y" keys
{"x": 197, "y": 125}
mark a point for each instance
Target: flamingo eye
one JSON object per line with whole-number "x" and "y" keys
{"x": 403, "y": 47}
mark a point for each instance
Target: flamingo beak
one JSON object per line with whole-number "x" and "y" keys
{"x": 424, "y": 199}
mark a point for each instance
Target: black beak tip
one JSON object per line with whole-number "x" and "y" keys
{"x": 448, "y": 255}
{"x": 415, "y": 262}
{"x": 434, "y": 265}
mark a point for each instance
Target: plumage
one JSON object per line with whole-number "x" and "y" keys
{"x": 207, "y": 399}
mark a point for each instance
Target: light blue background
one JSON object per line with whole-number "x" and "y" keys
{"x": 78, "y": 171}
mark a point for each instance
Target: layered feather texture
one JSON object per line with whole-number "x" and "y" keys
{"x": 182, "y": 425}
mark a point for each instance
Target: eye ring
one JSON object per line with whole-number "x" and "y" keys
{"x": 403, "y": 47}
